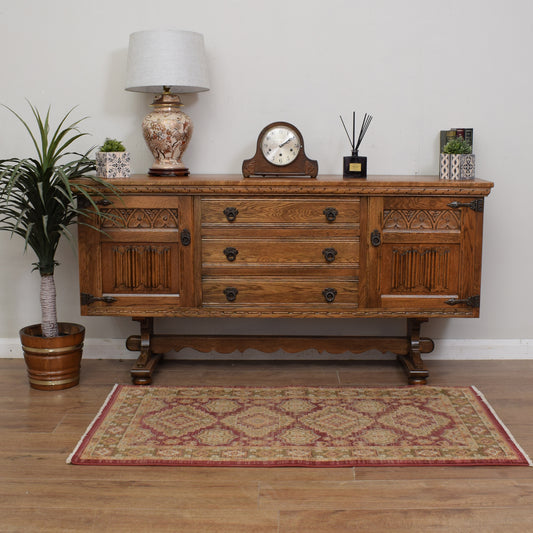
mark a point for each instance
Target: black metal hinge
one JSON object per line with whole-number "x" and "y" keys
{"x": 471, "y": 301}
{"x": 88, "y": 299}
{"x": 476, "y": 205}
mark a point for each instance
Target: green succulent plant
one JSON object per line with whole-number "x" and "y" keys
{"x": 457, "y": 145}
{"x": 112, "y": 145}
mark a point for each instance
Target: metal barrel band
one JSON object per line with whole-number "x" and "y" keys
{"x": 50, "y": 351}
{"x": 51, "y": 382}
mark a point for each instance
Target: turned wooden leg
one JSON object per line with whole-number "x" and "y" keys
{"x": 417, "y": 373}
{"x": 141, "y": 373}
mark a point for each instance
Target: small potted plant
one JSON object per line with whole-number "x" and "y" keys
{"x": 457, "y": 162}
{"x": 112, "y": 160}
{"x": 39, "y": 201}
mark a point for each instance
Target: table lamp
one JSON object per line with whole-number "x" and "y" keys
{"x": 167, "y": 63}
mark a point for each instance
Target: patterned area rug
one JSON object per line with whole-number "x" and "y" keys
{"x": 296, "y": 426}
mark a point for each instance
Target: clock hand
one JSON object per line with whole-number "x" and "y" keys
{"x": 288, "y": 139}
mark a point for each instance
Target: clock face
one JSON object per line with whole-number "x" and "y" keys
{"x": 280, "y": 145}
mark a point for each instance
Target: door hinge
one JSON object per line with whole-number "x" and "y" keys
{"x": 471, "y": 301}
{"x": 88, "y": 299}
{"x": 476, "y": 205}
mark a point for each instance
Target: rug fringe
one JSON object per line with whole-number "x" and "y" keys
{"x": 80, "y": 442}
{"x": 482, "y": 397}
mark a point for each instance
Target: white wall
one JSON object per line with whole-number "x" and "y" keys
{"x": 418, "y": 66}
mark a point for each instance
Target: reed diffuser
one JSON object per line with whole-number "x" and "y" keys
{"x": 354, "y": 166}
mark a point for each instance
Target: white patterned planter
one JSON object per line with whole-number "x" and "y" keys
{"x": 113, "y": 164}
{"x": 457, "y": 166}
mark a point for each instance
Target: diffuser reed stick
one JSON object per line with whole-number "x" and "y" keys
{"x": 346, "y": 130}
{"x": 364, "y": 128}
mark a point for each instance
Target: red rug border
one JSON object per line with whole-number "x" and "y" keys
{"x": 75, "y": 459}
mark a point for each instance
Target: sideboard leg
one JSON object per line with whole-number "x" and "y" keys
{"x": 417, "y": 373}
{"x": 141, "y": 373}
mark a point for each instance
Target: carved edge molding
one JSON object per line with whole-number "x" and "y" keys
{"x": 250, "y": 313}
{"x": 313, "y": 187}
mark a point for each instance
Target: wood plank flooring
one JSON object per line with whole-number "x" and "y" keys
{"x": 39, "y": 492}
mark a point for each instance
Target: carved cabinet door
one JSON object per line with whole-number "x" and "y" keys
{"x": 142, "y": 262}
{"x": 424, "y": 254}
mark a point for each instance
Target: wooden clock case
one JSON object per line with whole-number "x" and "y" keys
{"x": 259, "y": 166}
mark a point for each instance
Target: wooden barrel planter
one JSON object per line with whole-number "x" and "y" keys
{"x": 53, "y": 363}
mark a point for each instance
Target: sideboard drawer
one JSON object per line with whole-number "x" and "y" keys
{"x": 282, "y": 211}
{"x": 284, "y": 292}
{"x": 330, "y": 253}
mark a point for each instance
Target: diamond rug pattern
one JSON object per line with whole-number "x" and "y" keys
{"x": 297, "y": 426}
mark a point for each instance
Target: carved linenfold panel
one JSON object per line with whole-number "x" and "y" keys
{"x": 414, "y": 270}
{"x": 421, "y": 219}
{"x": 142, "y": 218}
{"x": 139, "y": 268}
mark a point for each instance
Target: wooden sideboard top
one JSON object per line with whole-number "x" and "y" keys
{"x": 323, "y": 184}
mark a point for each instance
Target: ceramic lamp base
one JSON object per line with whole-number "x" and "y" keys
{"x": 167, "y": 131}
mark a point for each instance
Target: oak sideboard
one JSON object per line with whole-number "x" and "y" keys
{"x": 405, "y": 247}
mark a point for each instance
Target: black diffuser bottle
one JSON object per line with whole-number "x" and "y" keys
{"x": 354, "y": 166}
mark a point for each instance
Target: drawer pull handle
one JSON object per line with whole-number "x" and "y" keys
{"x": 105, "y": 202}
{"x": 329, "y": 254}
{"x": 231, "y": 213}
{"x": 375, "y": 238}
{"x": 329, "y": 295}
{"x": 331, "y": 213}
{"x": 185, "y": 237}
{"x": 231, "y": 293}
{"x": 231, "y": 253}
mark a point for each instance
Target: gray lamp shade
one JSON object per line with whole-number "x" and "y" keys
{"x": 166, "y": 58}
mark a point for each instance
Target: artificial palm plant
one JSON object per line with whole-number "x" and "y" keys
{"x": 38, "y": 198}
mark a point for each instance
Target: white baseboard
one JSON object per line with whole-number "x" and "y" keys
{"x": 444, "y": 349}
{"x": 483, "y": 349}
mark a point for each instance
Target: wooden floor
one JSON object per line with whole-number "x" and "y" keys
{"x": 40, "y": 492}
